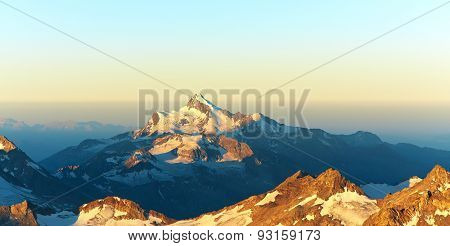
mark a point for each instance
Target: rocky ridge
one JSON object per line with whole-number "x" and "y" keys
{"x": 17, "y": 215}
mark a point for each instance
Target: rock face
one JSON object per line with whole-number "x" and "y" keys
{"x": 425, "y": 203}
{"x": 17, "y": 215}
{"x": 235, "y": 149}
{"x": 301, "y": 200}
{"x": 6, "y": 145}
{"x": 114, "y": 211}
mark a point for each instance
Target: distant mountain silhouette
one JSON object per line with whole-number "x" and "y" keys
{"x": 42, "y": 140}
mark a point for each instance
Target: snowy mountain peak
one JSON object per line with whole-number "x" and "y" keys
{"x": 199, "y": 102}
{"x": 114, "y": 211}
{"x": 6, "y": 145}
{"x": 199, "y": 116}
{"x": 201, "y": 99}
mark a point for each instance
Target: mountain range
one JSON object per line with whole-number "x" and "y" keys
{"x": 187, "y": 163}
{"x": 42, "y": 140}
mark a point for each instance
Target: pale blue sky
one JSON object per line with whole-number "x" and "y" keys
{"x": 230, "y": 44}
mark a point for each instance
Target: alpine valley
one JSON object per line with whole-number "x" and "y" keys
{"x": 203, "y": 165}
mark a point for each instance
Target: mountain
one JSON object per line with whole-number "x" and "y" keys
{"x": 202, "y": 158}
{"x": 18, "y": 169}
{"x": 23, "y": 179}
{"x": 114, "y": 211}
{"x": 17, "y": 215}
{"x": 41, "y": 140}
{"x": 301, "y": 200}
{"x": 424, "y": 203}
{"x": 80, "y": 153}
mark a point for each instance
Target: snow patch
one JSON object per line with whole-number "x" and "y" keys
{"x": 269, "y": 198}
{"x": 118, "y": 213}
{"x": 59, "y": 219}
{"x": 309, "y": 217}
{"x": 233, "y": 217}
{"x": 107, "y": 216}
{"x": 349, "y": 207}
{"x": 414, "y": 220}
{"x": 444, "y": 213}
{"x": 444, "y": 187}
{"x": 430, "y": 220}
{"x": 304, "y": 201}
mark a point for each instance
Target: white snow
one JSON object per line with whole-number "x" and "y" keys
{"x": 107, "y": 216}
{"x": 192, "y": 121}
{"x": 430, "y": 220}
{"x": 233, "y": 217}
{"x": 269, "y": 198}
{"x": 59, "y": 219}
{"x": 165, "y": 147}
{"x": 444, "y": 187}
{"x": 414, "y": 220}
{"x": 309, "y": 217}
{"x": 304, "y": 201}
{"x": 118, "y": 213}
{"x": 349, "y": 207}
{"x": 413, "y": 181}
{"x": 444, "y": 213}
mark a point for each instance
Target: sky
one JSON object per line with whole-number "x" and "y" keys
{"x": 400, "y": 83}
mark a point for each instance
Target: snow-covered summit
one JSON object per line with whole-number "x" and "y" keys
{"x": 199, "y": 116}
{"x": 200, "y": 99}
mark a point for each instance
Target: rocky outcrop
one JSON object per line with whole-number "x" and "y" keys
{"x": 190, "y": 148}
{"x": 425, "y": 203}
{"x": 235, "y": 149}
{"x": 6, "y": 145}
{"x": 138, "y": 157}
{"x": 114, "y": 211}
{"x": 17, "y": 215}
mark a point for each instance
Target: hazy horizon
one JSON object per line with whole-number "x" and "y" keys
{"x": 417, "y": 124}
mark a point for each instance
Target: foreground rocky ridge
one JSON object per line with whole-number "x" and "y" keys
{"x": 302, "y": 200}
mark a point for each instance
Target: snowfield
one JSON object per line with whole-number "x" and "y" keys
{"x": 349, "y": 207}
{"x": 233, "y": 217}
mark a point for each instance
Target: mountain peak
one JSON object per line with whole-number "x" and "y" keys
{"x": 6, "y": 145}
{"x": 438, "y": 173}
{"x": 333, "y": 181}
{"x": 199, "y": 102}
